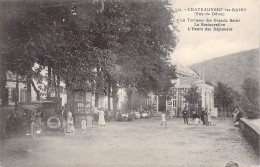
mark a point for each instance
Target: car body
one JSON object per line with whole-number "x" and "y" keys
{"x": 41, "y": 116}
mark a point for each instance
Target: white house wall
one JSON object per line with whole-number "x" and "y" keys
{"x": 10, "y": 85}
{"x": 103, "y": 101}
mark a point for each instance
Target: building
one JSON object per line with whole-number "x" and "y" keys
{"x": 10, "y": 90}
{"x": 103, "y": 101}
{"x": 186, "y": 78}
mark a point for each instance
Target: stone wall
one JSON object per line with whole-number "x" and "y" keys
{"x": 251, "y": 132}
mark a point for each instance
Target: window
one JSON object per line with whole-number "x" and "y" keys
{"x": 174, "y": 104}
{"x": 13, "y": 95}
{"x": 23, "y": 95}
{"x": 80, "y": 104}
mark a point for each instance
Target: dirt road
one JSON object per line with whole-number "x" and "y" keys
{"x": 138, "y": 143}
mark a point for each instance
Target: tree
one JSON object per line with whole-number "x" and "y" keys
{"x": 15, "y": 42}
{"x": 145, "y": 38}
{"x": 250, "y": 98}
{"x": 251, "y": 90}
{"x": 222, "y": 96}
{"x": 192, "y": 96}
{"x": 97, "y": 46}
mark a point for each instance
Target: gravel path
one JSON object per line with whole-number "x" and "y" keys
{"x": 141, "y": 142}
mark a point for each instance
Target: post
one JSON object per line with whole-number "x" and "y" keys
{"x": 225, "y": 113}
{"x": 28, "y": 90}
{"x": 157, "y": 99}
{"x": 221, "y": 108}
{"x": 108, "y": 93}
{"x": 49, "y": 83}
{"x": 16, "y": 99}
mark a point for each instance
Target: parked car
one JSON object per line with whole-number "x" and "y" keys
{"x": 41, "y": 116}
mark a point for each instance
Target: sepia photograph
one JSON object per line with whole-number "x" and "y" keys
{"x": 129, "y": 83}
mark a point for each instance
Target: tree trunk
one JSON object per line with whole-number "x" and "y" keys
{"x": 221, "y": 108}
{"x": 96, "y": 99}
{"x": 108, "y": 94}
{"x": 58, "y": 86}
{"x": 28, "y": 92}
{"x": 129, "y": 99}
{"x": 114, "y": 96}
{"x": 36, "y": 90}
{"x": 16, "y": 99}
{"x": 225, "y": 113}
{"x": 3, "y": 80}
{"x": 54, "y": 84}
{"x": 97, "y": 87}
{"x": 49, "y": 83}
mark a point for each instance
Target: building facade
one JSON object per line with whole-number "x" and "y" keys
{"x": 174, "y": 104}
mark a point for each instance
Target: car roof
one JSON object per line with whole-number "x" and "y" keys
{"x": 30, "y": 107}
{"x": 41, "y": 102}
{"x": 36, "y": 102}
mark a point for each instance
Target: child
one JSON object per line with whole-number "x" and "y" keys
{"x": 163, "y": 118}
{"x": 72, "y": 129}
{"x": 83, "y": 125}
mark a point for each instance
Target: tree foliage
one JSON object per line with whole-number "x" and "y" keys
{"x": 94, "y": 45}
{"x": 251, "y": 90}
{"x": 192, "y": 96}
{"x": 222, "y": 95}
{"x": 250, "y": 98}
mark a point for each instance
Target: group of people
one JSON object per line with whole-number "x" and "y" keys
{"x": 205, "y": 117}
{"x": 237, "y": 115}
{"x": 70, "y": 123}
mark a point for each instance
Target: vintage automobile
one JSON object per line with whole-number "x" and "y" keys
{"x": 41, "y": 117}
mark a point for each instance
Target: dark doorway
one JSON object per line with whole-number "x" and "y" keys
{"x": 162, "y": 103}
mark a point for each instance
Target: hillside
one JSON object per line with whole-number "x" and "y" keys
{"x": 231, "y": 69}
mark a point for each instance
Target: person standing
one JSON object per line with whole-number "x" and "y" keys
{"x": 69, "y": 122}
{"x": 185, "y": 115}
{"x": 206, "y": 117}
{"x": 196, "y": 116}
{"x": 83, "y": 125}
{"x": 72, "y": 128}
{"x": 202, "y": 115}
{"x": 209, "y": 117}
{"x": 193, "y": 115}
{"x": 101, "y": 119}
{"x": 239, "y": 115}
{"x": 163, "y": 118}
{"x": 235, "y": 115}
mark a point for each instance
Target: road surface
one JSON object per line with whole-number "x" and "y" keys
{"x": 142, "y": 142}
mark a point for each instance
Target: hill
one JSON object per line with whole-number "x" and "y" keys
{"x": 231, "y": 69}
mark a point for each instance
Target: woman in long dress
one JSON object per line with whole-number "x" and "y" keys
{"x": 101, "y": 119}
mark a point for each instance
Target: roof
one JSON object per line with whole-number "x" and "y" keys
{"x": 184, "y": 70}
{"x": 187, "y": 80}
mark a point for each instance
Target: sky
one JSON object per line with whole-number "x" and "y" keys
{"x": 197, "y": 46}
